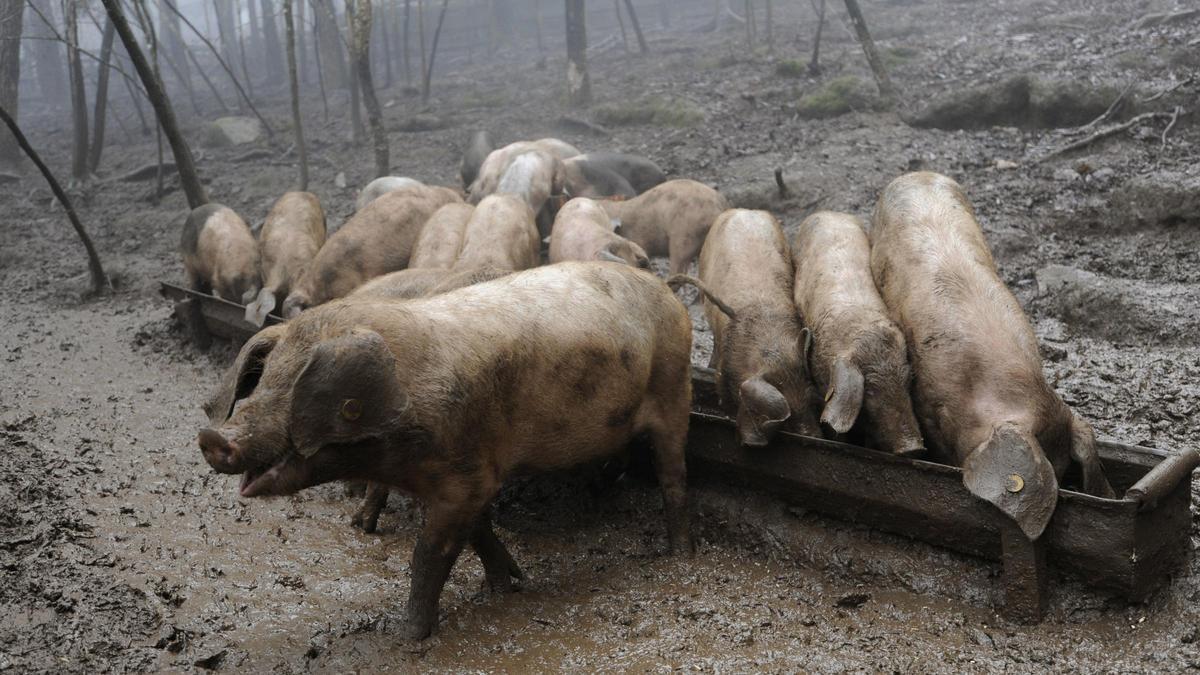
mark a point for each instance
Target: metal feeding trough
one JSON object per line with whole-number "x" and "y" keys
{"x": 1128, "y": 545}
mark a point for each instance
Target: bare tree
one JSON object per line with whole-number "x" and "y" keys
{"x": 814, "y": 66}
{"x": 10, "y": 73}
{"x": 297, "y": 122}
{"x": 301, "y": 42}
{"x": 579, "y": 83}
{"x": 241, "y": 45}
{"x": 47, "y": 55}
{"x": 100, "y": 281}
{"x": 404, "y": 41}
{"x": 225, "y": 31}
{"x": 98, "y": 117}
{"x": 79, "y": 148}
{"x": 637, "y": 27}
{"x": 886, "y": 88}
{"x": 437, "y": 33}
{"x": 361, "y": 43}
{"x": 270, "y": 34}
{"x": 184, "y": 162}
{"x": 332, "y": 60}
{"x": 357, "y": 130}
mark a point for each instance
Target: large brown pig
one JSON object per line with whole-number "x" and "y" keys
{"x": 441, "y": 238}
{"x": 377, "y": 240}
{"x": 858, "y": 358}
{"x": 582, "y": 178}
{"x": 671, "y": 219}
{"x": 640, "y": 173}
{"x": 583, "y": 231}
{"x": 447, "y": 397}
{"x": 220, "y": 255}
{"x": 500, "y": 235}
{"x": 290, "y": 238}
{"x": 759, "y": 352}
{"x": 475, "y": 153}
{"x": 978, "y": 387}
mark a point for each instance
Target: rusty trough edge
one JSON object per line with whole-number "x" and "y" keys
{"x": 1129, "y": 545}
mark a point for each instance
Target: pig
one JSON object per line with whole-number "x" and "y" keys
{"x": 220, "y": 255}
{"x": 381, "y": 186}
{"x": 473, "y": 156}
{"x": 671, "y": 219}
{"x": 377, "y": 240}
{"x": 859, "y": 357}
{"x": 498, "y": 161}
{"x": 448, "y": 397}
{"x": 759, "y": 341}
{"x": 978, "y": 387}
{"x": 583, "y": 231}
{"x": 586, "y": 179}
{"x": 500, "y": 235}
{"x": 406, "y": 285}
{"x": 290, "y": 238}
{"x": 441, "y": 238}
{"x": 639, "y": 173}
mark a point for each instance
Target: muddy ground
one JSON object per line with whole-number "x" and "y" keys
{"x": 121, "y": 550}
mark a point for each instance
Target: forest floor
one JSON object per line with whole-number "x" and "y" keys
{"x": 121, "y": 550}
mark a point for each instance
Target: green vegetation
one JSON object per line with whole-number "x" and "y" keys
{"x": 653, "y": 110}
{"x": 791, "y": 68}
{"x": 838, "y": 97}
{"x": 899, "y": 55}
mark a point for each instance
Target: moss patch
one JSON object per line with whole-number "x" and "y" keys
{"x": 653, "y": 110}
{"x": 838, "y": 97}
{"x": 791, "y": 68}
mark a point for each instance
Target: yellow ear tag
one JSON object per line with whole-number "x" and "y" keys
{"x": 1016, "y": 483}
{"x": 351, "y": 409}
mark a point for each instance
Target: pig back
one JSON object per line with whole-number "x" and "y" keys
{"x": 220, "y": 251}
{"x": 668, "y": 215}
{"x": 745, "y": 262}
{"x": 581, "y": 228}
{"x": 291, "y": 236}
{"x": 542, "y": 369}
{"x": 973, "y": 351}
{"x": 442, "y": 236}
{"x": 500, "y": 234}
{"x": 377, "y": 240}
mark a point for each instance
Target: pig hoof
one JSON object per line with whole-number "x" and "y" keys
{"x": 415, "y": 631}
{"x": 364, "y": 522}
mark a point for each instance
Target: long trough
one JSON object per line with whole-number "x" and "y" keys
{"x": 1129, "y": 545}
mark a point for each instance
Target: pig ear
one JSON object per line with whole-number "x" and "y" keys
{"x": 1083, "y": 451}
{"x": 257, "y": 311}
{"x": 806, "y": 343}
{"x": 347, "y": 392}
{"x": 843, "y": 399}
{"x": 242, "y": 377}
{"x": 1011, "y": 473}
{"x": 762, "y": 409}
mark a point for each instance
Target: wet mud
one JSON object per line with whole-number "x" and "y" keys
{"x": 122, "y": 551}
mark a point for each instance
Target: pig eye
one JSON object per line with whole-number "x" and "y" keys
{"x": 351, "y": 409}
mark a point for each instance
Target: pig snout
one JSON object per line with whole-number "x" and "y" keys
{"x": 221, "y": 453}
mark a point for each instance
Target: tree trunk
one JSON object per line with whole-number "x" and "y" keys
{"x": 407, "y": 59}
{"x": 270, "y": 36}
{"x": 814, "y": 66}
{"x": 770, "y": 26}
{"x": 47, "y": 54}
{"x": 100, "y": 281}
{"x": 297, "y": 123}
{"x": 387, "y": 43}
{"x": 298, "y": 20}
{"x": 319, "y": 69}
{"x": 361, "y": 42}
{"x": 241, "y": 45}
{"x": 101, "y": 96}
{"x": 437, "y": 33}
{"x": 79, "y": 148}
{"x": 621, "y": 23}
{"x": 356, "y": 124}
{"x": 332, "y": 61}
{"x": 257, "y": 53}
{"x": 541, "y": 43}
{"x": 186, "y": 166}
{"x": 171, "y": 37}
{"x": 226, "y": 32}
{"x": 637, "y": 27}
{"x": 579, "y": 83}
{"x": 421, "y": 38}
{"x": 664, "y": 13}
{"x": 10, "y": 75}
{"x": 886, "y": 88}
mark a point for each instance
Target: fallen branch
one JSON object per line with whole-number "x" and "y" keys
{"x": 1170, "y": 125}
{"x": 1102, "y": 134}
{"x": 575, "y": 124}
{"x": 783, "y": 190}
{"x": 145, "y": 172}
{"x": 1107, "y": 114}
{"x": 1170, "y": 89}
{"x": 100, "y": 280}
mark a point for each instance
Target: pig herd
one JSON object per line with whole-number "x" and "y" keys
{"x": 427, "y": 349}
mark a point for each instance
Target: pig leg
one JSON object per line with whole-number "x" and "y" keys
{"x": 682, "y": 251}
{"x": 669, "y": 435}
{"x": 368, "y": 514}
{"x": 498, "y": 566}
{"x": 447, "y": 527}
{"x": 192, "y": 316}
